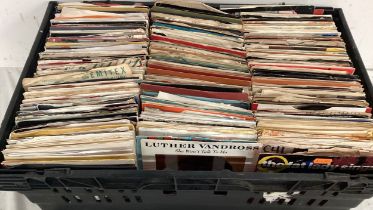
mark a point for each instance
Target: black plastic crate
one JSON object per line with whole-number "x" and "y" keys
{"x": 60, "y": 187}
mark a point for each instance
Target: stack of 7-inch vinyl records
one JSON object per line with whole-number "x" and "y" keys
{"x": 195, "y": 96}
{"x": 260, "y": 87}
{"x": 308, "y": 102}
{"x": 78, "y": 107}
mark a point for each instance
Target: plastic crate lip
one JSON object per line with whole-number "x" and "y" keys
{"x": 29, "y": 68}
{"x": 185, "y": 175}
{"x": 139, "y": 181}
{"x": 178, "y": 180}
